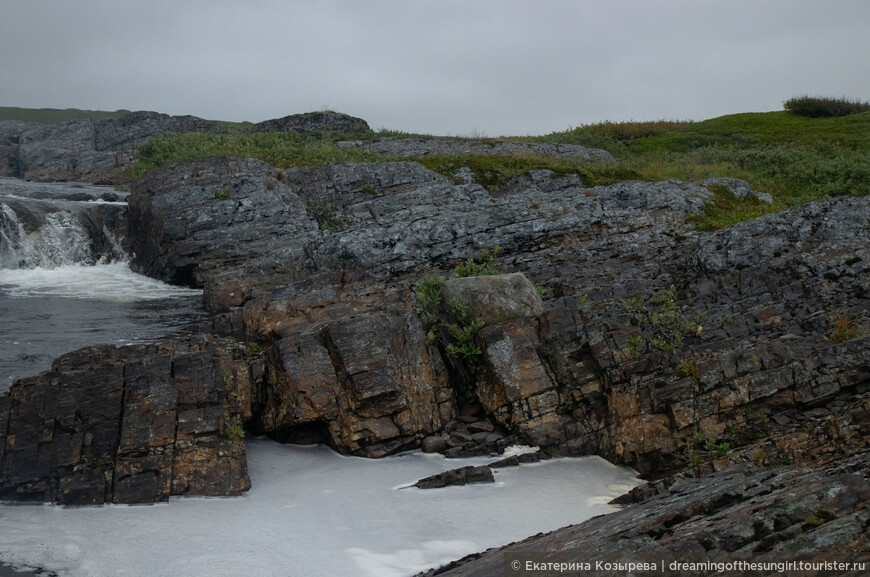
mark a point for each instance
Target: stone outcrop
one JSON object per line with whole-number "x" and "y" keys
{"x": 135, "y": 424}
{"x": 774, "y": 514}
{"x": 421, "y": 147}
{"x": 656, "y": 346}
{"x": 495, "y": 298}
{"x": 10, "y": 136}
{"x": 89, "y": 150}
{"x": 739, "y": 188}
{"x": 315, "y": 124}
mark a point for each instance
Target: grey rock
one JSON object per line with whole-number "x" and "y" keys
{"x": 94, "y": 150}
{"x": 433, "y": 444}
{"x": 739, "y": 188}
{"x": 10, "y": 134}
{"x": 495, "y": 298}
{"x": 565, "y": 378}
{"x": 314, "y": 124}
{"x": 769, "y": 513}
{"x": 420, "y": 147}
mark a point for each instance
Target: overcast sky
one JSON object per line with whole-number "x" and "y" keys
{"x": 493, "y": 67}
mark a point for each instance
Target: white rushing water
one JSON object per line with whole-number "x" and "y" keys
{"x": 113, "y": 282}
{"x": 312, "y": 512}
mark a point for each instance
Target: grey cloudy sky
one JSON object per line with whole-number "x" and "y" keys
{"x": 491, "y": 67}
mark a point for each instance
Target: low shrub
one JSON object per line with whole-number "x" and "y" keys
{"x": 481, "y": 264}
{"x": 815, "y": 107}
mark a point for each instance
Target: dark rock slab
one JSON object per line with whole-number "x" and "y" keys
{"x": 128, "y": 425}
{"x": 462, "y": 476}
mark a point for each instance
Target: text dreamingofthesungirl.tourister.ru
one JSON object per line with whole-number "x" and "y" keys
{"x": 547, "y": 564}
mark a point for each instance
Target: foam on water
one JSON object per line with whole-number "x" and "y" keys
{"x": 113, "y": 282}
{"x": 312, "y": 512}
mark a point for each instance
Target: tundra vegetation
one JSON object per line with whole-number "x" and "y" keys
{"x": 815, "y": 148}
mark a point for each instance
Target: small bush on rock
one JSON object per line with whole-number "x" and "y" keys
{"x": 481, "y": 264}
{"x": 845, "y": 330}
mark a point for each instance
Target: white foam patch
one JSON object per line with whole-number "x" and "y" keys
{"x": 312, "y": 512}
{"x": 516, "y": 450}
{"x": 110, "y": 282}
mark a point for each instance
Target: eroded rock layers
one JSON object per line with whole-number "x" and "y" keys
{"x": 652, "y": 345}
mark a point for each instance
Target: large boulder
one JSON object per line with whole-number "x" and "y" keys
{"x": 135, "y": 424}
{"x": 494, "y": 298}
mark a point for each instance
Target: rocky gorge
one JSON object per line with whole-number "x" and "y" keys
{"x": 733, "y": 362}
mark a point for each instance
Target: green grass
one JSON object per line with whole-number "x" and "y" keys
{"x": 54, "y": 115}
{"x": 794, "y": 158}
{"x": 280, "y": 149}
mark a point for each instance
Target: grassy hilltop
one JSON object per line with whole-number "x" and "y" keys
{"x": 814, "y": 149}
{"x": 54, "y": 115}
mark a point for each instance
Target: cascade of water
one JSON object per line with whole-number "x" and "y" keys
{"x": 51, "y": 225}
{"x": 65, "y": 282}
{"x": 61, "y": 240}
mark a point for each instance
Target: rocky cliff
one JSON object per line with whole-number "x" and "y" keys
{"x": 650, "y": 343}
{"x": 650, "y": 334}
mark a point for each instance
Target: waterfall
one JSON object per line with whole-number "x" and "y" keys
{"x": 61, "y": 240}
{"x": 44, "y": 226}
{"x": 65, "y": 279}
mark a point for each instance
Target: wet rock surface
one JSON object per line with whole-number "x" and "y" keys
{"x": 135, "y": 424}
{"x": 458, "y": 477}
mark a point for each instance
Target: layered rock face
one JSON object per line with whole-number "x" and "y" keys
{"x": 129, "y": 425}
{"x": 655, "y": 345}
{"x": 775, "y": 515}
{"x": 94, "y": 150}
